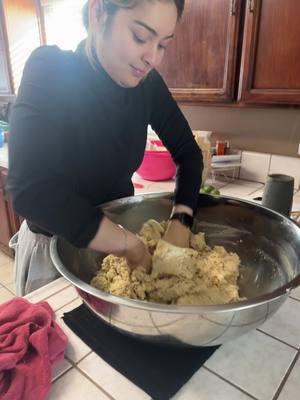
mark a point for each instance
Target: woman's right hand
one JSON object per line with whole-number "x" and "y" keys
{"x": 137, "y": 254}
{"x": 114, "y": 239}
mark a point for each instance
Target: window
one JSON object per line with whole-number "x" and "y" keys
{"x": 63, "y": 22}
{"x": 4, "y": 83}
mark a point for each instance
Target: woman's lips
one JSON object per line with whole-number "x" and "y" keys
{"x": 138, "y": 73}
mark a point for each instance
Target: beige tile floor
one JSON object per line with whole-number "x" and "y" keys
{"x": 7, "y": 286}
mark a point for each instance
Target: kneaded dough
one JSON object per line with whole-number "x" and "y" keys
{"x": 198, "y": 275}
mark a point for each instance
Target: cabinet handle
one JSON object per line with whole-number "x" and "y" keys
{"x": 251, "y": 5}
{"x": 233, "y": 7}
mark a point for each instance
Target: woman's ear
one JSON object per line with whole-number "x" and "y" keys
{"x": 96, "y": 12}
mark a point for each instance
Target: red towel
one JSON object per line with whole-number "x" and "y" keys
{"x": 30, "y": 343}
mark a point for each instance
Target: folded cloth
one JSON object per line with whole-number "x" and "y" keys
{"x": 30, "y": 343}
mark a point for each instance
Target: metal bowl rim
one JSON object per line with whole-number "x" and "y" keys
{"x": 159, "y": 307}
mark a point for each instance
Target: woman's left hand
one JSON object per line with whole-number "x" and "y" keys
{"x": 177, "y": 234}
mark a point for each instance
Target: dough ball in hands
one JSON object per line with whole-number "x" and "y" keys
{"x": 171, "y": 260}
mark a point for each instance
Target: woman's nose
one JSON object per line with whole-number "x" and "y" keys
{"x": 152, "y": 56}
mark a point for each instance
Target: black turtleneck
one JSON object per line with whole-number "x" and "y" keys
{"x": 76, "y": 138}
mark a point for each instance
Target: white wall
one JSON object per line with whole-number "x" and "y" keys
{"x": 269, "y": 130}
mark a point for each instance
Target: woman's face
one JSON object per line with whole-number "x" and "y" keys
{"x": 134, "y": 41}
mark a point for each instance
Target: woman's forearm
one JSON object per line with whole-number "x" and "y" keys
{"x": 110, "y": 238}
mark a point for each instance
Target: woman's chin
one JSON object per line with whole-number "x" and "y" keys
{"x": 130, "y": 82}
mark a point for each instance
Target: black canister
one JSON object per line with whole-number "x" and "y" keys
{"x": 278, "y": 193}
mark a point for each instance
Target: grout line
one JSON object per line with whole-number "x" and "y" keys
{"x": 93, "y": 382}
{"x": 269, "y": 166}
{"x": 61, "y": 375}
{"x": 4, "y": 285}
{"x": 253, "y": 193}
{"x": 74, "y": 365}
{"x": 5, "y": 289}
{"x": 285, "y": 378}
{"x": 294, "y": 298}
{"x": 10, "y": 291}
{"x": 230, "y": 383}
{"x": 279, "y": 340}
{"x": 66, "y": 304}
{"x": 53, "y": 294}
{"x": 82, "y": 358}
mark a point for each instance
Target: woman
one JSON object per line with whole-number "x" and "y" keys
{"x": 78, "y": 133}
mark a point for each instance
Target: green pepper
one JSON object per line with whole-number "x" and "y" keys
{"x": 208, "y": 188}
{"x": 215, "y": 192}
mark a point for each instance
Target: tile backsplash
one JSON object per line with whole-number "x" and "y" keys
{"x": 286, "y": 165}
{"x": 257, "y": 166}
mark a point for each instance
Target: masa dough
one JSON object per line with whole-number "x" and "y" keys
{"x": 197, "y": 275}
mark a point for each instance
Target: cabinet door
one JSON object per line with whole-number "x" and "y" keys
{"x": 5, "y": 231}
{"x": 14, "y": 219}
{"x": 200, "y": 63}
{"x": 271, "y": 52}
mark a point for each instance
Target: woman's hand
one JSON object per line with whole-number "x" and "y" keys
{"x": 177, "y": 234}
{"x": 137, "y": 253}
{"x": 115, "y": 239}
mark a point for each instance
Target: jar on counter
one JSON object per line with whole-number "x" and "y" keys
{"x": 221, "y": 147}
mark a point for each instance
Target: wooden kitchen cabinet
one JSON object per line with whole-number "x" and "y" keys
{"x": 245, "y": 51}
{"x": 200, "y": 63}
{"x": 5, "y": 230}
{"x": 270, "y": 67}
{"x": 10, "y": 221}
{"x": 224, "y": 52}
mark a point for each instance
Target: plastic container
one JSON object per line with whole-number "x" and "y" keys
{"x": 1, "y": 137}
{"x": 157, "y": 165}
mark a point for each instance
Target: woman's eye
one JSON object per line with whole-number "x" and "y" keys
{"x": 161, "y": 47}
{"x": 138, "y": 39}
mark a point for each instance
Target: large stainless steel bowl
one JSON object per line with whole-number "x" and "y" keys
{"x": 267, "y": 243}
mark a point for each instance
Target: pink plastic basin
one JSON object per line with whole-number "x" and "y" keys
{"x": 157, "y": 165}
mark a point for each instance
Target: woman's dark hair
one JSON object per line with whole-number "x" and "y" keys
{"x": 85, "y": 15}
{"x": 112, "y": 6}
{"x": 180, "y": 7}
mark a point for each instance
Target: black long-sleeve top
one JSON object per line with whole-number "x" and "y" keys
{"x": 76, "y": 138}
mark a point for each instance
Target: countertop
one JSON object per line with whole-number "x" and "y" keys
{"x": 239, "y": 188}
{"x": 263, "y": 364}
{"x": 4, "y": 156}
